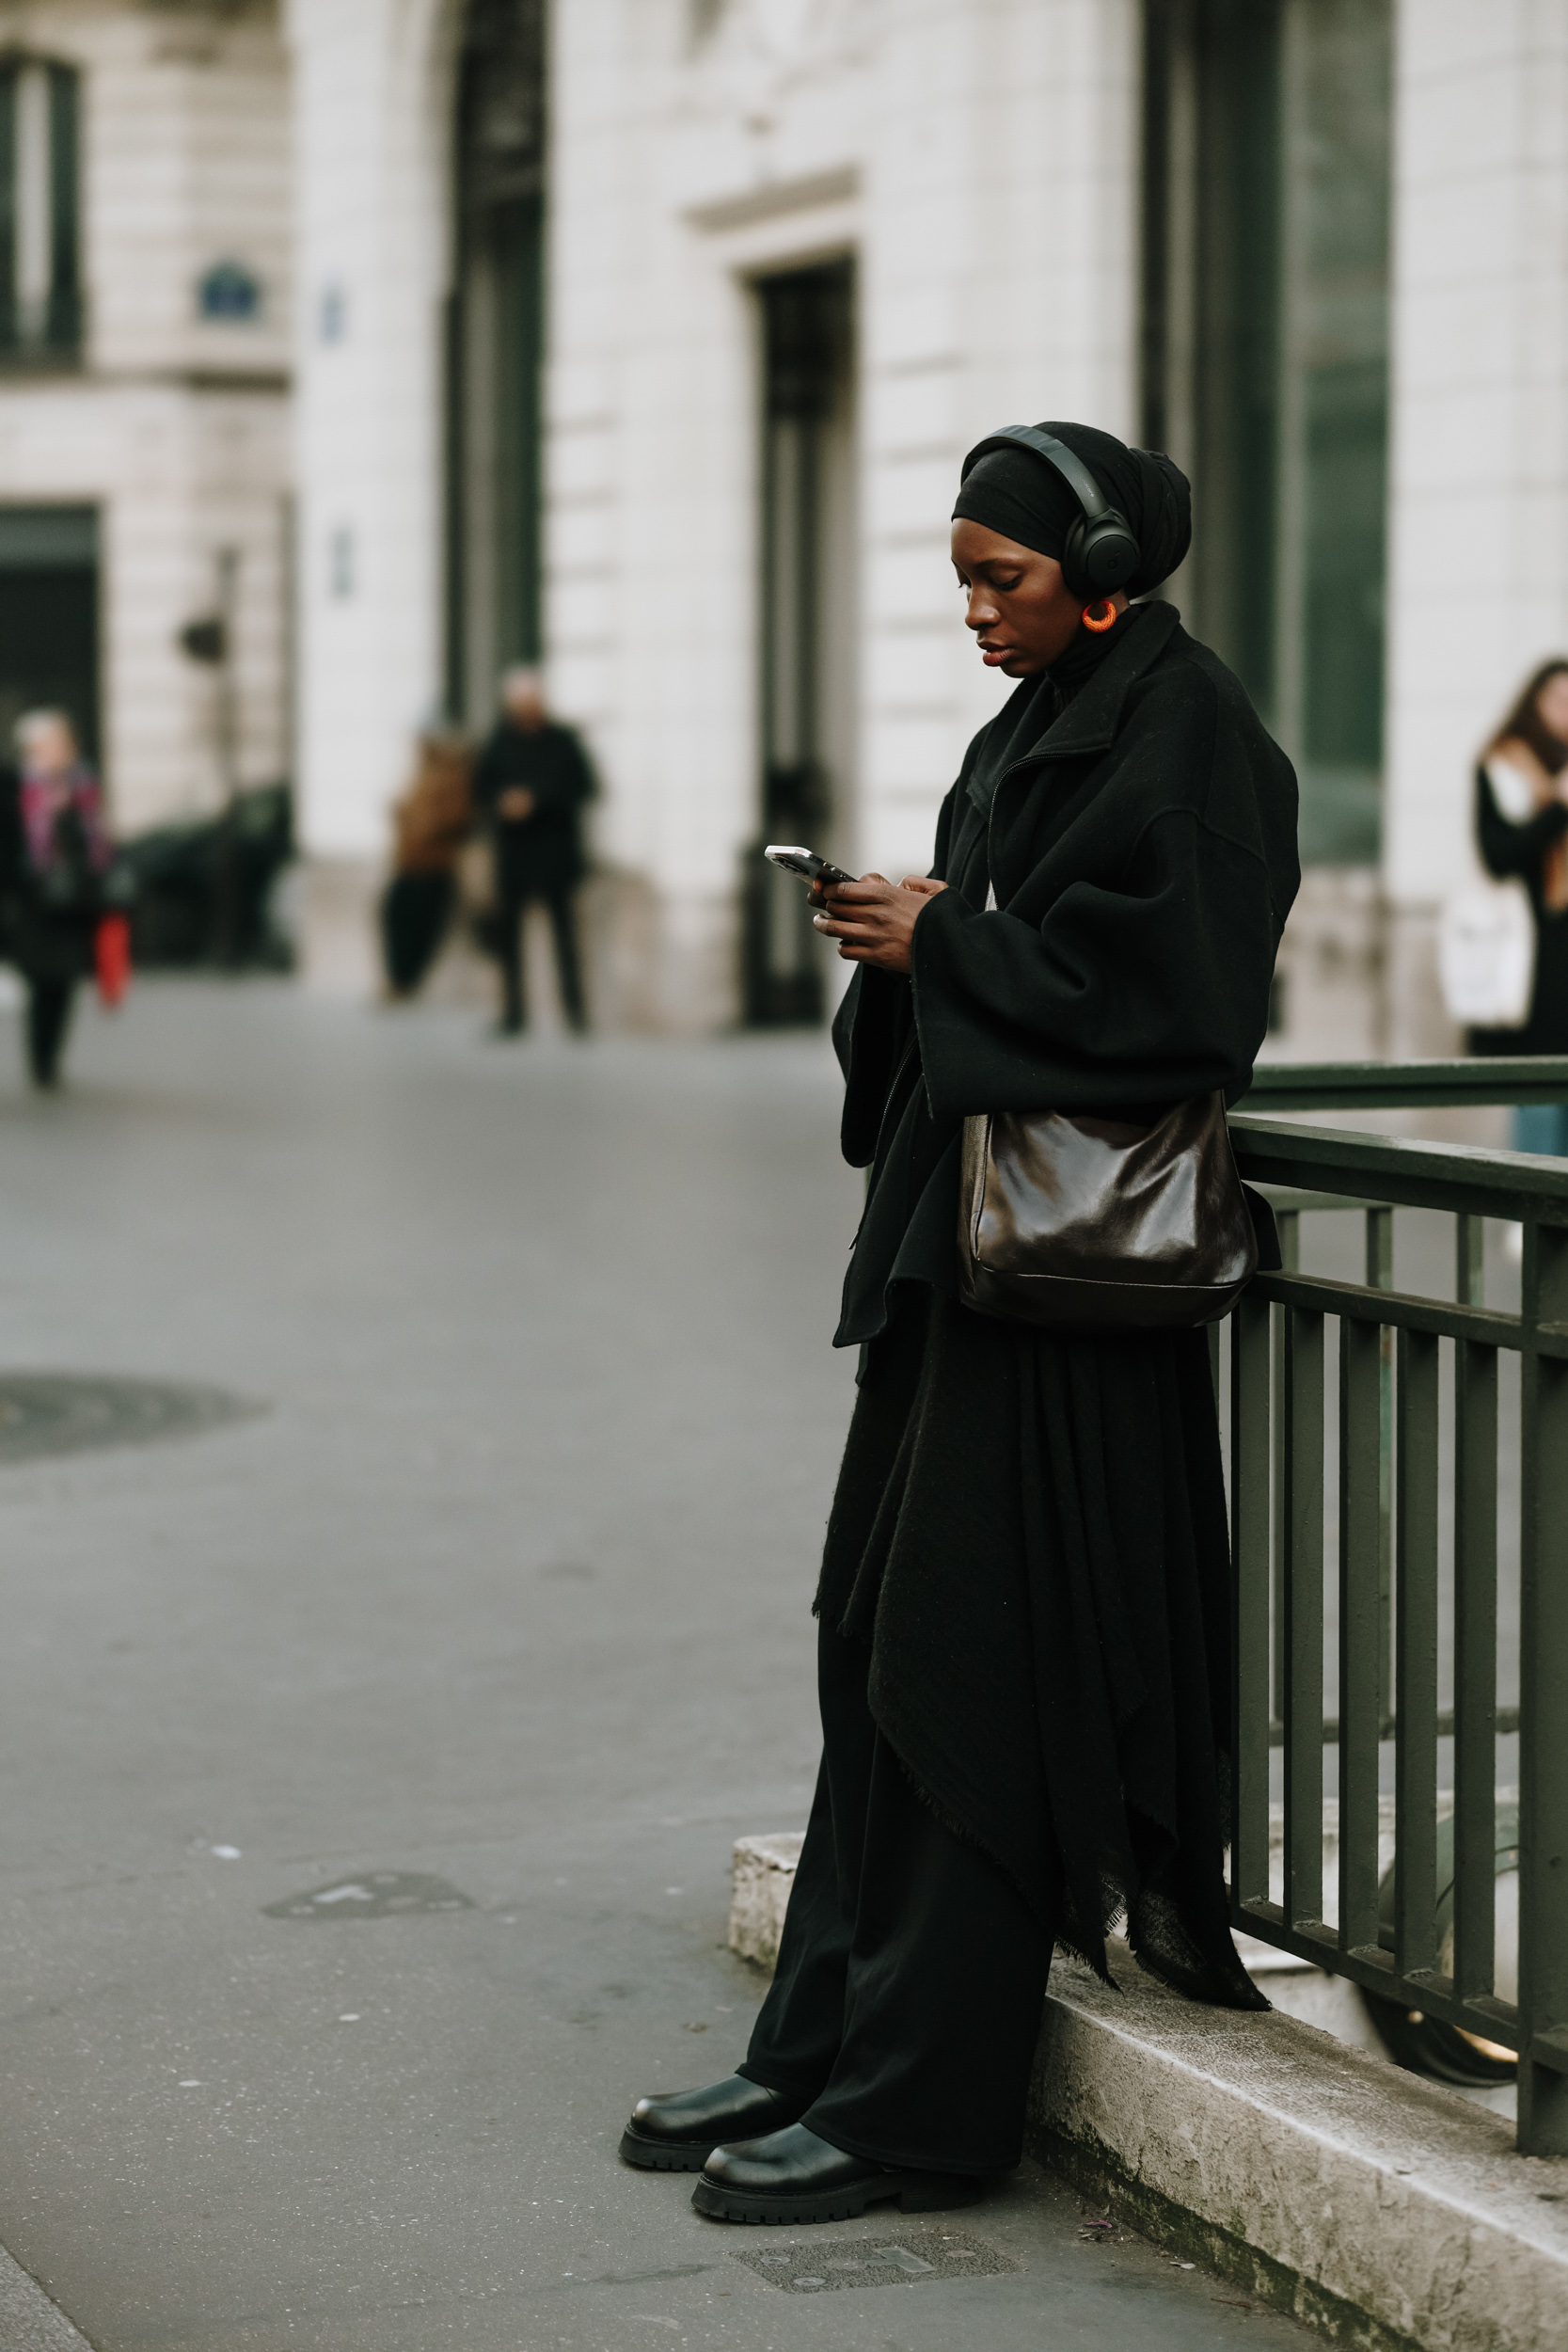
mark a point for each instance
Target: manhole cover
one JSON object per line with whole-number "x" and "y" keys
{"x": 373, "y": 1895}
{"x": 63, "y": 1413}
{"x": 906, "y": 2258}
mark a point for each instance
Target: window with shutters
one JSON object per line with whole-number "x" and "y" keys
{"x": 41, "y": 281}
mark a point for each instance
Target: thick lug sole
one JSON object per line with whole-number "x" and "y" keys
{"x": 913, "y": 2192}
{"x": 665, "y": 2155}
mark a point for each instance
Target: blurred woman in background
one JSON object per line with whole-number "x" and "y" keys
{"x": 1521, "y": 829}
{"x": 431, "y": 822}
{"x": 55, "y": 853}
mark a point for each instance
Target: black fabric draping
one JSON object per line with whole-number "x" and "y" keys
{"x": 1017, "y": 492}
{"x": 1029, "y": 1532}
{"x": 1519, "y": 850}
{"x": 906, "y": 2004}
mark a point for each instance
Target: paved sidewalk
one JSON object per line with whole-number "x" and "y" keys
{"x": 504, "y": 1586}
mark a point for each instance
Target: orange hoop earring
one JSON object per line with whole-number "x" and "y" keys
{"x": 1107, "y": 616}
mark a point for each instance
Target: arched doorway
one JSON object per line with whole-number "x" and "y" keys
{"x": 495, "y": 341}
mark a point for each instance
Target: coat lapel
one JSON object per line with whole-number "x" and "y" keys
{"x": 1086, "y": 729}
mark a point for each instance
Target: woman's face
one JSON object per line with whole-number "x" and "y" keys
{"x": 1020, "y": 611}
{"x": 1551, "y": 704}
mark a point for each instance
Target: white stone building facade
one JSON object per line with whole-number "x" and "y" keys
{"x": 984, "y": 164}
{"x": 145, "y": 433}
{"x": 797, "y": 255}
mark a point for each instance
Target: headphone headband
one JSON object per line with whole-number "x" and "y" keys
{"x": 1101, "y": 551}
{"x": 1084, "y": 488}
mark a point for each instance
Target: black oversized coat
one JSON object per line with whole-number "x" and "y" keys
{"x": 1029, "y": 1529}
{"x": 540, "y": 855}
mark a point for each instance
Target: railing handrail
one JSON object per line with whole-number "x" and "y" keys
{"x": 1409, "y": 1171}
{"x": 1397, "y": 1459}
{"x": 1475, "y": 1080}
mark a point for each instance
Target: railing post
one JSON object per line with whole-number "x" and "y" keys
{"x": 1544, "y": 1704}
{"x": 1380, "y": 1276}
{"x": 1249, "y": 1646}
{"x": 1288, "y": 1224}
{"x": 1303, "y": 1414}
{"x": 1475, "y": 1665}
{"x": 1415, "y": 1716}
{"x": 1360, "y": 1626}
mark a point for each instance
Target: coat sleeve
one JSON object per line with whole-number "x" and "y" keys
{"x": 872, "y": 1029}
{"x": 1146, "y": 991}
{"x": 1508, "y": 849}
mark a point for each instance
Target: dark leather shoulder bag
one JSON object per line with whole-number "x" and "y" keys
{"x": 1091, "y": 1224}
{"x": 1085, "y": 1223}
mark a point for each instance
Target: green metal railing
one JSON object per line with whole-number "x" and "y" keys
{"x": 1394, "y": 1474}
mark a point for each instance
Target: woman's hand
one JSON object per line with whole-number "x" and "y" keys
{"x": 872, "y": 920}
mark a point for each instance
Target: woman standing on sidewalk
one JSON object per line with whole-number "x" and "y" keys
{"x": 1025, "y": 1599}
{"x": 1521, "y": 829}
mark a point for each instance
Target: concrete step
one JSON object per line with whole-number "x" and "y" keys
{"x": 1389, "y": 2212}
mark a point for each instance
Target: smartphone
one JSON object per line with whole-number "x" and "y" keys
{"x": 806, "y": 864}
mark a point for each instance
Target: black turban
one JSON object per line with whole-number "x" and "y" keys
{"x": 1018, "y": 493}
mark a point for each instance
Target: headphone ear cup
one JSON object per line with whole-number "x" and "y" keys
{"x": 1075, "y": 573}
{"x": 1106, "y": 554}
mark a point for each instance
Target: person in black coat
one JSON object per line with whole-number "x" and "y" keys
{"x": 530, "y": 785}
{"x": 55, "y": 853}
{"x": 1023, "y": 1653}
{"x": 1522, "y": 832}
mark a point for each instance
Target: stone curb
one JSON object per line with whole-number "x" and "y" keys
{"x": 1382, "y": 2209}
{"x": 1377, "y": 2206}
{"x": 29, "y": 2321}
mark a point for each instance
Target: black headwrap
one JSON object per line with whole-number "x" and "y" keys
{"x": 1021, "y": 495}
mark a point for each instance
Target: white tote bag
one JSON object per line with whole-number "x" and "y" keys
{"x": 1486, "y": 944}
{"x": 1487, "y": 955}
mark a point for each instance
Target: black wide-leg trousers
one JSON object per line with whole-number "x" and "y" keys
{"x": 907, "y": 2002}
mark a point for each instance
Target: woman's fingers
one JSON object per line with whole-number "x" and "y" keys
{"x": 841, "y": 930}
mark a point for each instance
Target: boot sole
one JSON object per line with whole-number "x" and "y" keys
{"x": 665, "y": 2155}
{"x": 913, "y": 2192}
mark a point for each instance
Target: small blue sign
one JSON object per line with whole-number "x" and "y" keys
{"x": 230, "y": 291}
{"x": 332, "y": 317}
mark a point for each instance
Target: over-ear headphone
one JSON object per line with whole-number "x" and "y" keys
{"x": 1101, "y": 553}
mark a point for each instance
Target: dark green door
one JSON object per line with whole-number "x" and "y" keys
{"x": 49, "y": 627}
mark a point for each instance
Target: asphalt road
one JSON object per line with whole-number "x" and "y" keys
{"x": 486, "y": 1616}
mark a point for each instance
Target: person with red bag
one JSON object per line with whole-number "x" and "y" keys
{"x": 55, "y": 857}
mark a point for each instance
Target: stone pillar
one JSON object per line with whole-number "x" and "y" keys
{"x": 371, "y": 81}
{"x": 1477, "y": 573}
{"x": 1000, "y": 288}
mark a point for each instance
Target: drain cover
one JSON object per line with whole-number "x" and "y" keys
{"x": 63, "y": 1413}
{"x": 818, "y": 2266}
{"x": 374, "y": 1895}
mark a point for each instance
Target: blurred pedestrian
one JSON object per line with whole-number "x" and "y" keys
{"x": 1024, "y": 1610}
{"x": 432, "y": 821}
{"x": 55, "y": 856}
{"x": 530, "y": 785}
{"x": 1522, "y": 831}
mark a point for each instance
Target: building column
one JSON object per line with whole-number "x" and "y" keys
{"x": 1478, "y": 571}
{"x": 371, "y": 85}
{"x": 999, "y": 286}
